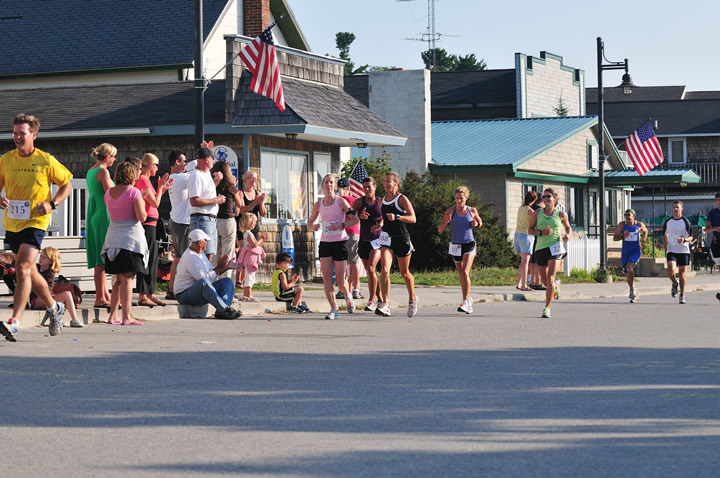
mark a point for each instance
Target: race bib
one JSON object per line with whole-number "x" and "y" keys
{"x": 557, "y": 249}
{"x": 326, "y": 228}
{"x": 383, "y": 240}
{"x": 455, "y": 249}
{"x": 633, "y": 236}
{"x": 19, "y": 209}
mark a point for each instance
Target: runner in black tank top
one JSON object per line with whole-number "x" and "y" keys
{"x": 368, "y": 209}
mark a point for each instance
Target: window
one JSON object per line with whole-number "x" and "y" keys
{"x": 592, "y": 155}
{"x": 537, "y": 187}
{"x": 284, "y": 180}
{"x": 574, "y": 205}
{"x": 676, "y": 147}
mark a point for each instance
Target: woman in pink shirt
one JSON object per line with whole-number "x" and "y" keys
{"x": 146, "y": 281}
{"x": 125, "y": 251}
{"x": 332, "y": 212}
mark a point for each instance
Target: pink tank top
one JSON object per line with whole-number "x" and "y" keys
{"x": 332, "y": 215}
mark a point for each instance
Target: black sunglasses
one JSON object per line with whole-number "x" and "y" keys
{"x": 547, "y": 196}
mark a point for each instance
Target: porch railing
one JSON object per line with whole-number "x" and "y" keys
{"x": 709, "y": 172}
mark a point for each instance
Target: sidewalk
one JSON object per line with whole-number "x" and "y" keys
{"x": 428, "y": 296}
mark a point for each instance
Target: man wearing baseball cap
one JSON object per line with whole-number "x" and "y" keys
{"x": 204, "y": 199}
{"x": 196, "y": 280}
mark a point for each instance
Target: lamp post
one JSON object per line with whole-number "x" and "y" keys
{"x": 627, "y": 84}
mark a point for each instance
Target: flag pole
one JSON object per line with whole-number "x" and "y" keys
{"x": 199, "y": 86}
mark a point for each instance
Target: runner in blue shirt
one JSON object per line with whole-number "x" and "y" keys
{"x": 632, "y": 234}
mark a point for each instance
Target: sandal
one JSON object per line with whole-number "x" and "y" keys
{"x": 102, "y": 306}
{"x": 158, "y": 301}
{"x": 146, "y": 302}
{"x": 132, "y": 322}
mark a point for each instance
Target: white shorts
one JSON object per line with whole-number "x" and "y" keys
{"x": 249, "y": 279}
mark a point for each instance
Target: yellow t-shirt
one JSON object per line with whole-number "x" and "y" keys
{"x": 29, "y": 179}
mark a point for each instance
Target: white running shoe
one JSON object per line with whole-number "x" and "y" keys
{"x": 557, "y": 290}
{"x": 464, "y": 306}
{"x": 383, "y": 310}
{"x": 9, "y": 329}
{"x": 413, "y": 307}
{"x": 332, "y": 315}
{"x": 370, "y": 306}
{"x": 350, "y": 305}
{"x": 682, "y": 299}
{"x": 470, "y": 304}
{"x": 55, "y": 318}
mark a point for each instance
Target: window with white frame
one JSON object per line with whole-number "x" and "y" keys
{"x": 284, "y": 180}
{"x": 592, "y": 154}
{"x": 574, "y": 205}
{"x": 676, "y": 147}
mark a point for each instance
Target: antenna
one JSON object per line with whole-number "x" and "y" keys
{"x": 431, "y": 36}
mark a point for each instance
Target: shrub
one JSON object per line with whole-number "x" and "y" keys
{"x": 580, "y": 274}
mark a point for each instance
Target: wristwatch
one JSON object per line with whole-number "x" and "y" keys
{"x": 53, "y": 205}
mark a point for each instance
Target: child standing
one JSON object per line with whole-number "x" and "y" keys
{"x": 49, "y": 265}
{"x": 250, "y": 255}
{"x": 286, "y": 290}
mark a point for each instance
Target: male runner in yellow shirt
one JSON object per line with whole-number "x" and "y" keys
{"x": 27, "y": 175}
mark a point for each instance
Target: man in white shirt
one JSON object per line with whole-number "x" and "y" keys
{"x": 677, "y": 239}
{"x": 195, "y": 275}
{"x": 179, "y": 223}
{"x": 204, "y": 199}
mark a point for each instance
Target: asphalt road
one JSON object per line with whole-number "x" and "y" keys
{"x": 604, "y": 388}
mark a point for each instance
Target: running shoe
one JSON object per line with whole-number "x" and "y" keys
{"x": 674, "y": 290}
{"x": 631, "y": 296}
{"x": 55, "y": 317}
{"x": 76, "y": 323}
{"x": 304, "y": 307}
{"x": 682, "y": 299}
{"x": 339, "y": 295}
{"x": 546, "y": 313}
{"x": 557, "y": 290}
{"x": 370, "y": 306}
{"x": 717, "y": 296}
{"x": 9, "y": 330}
{"x": 357, "y": 295}
{"x": 383, "y": 310}
{"x": 470, "y": 304}
{"x": 332, "y": 315}
{"x": 412, "y": 307}
{"x": 296, "y": 309}
{"x": 465, "y": 306}
{"x": 350, "y": 305}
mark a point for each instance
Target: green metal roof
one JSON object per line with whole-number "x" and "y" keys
{"x": 498, "y": 143}
{"x": 655, "y": 176}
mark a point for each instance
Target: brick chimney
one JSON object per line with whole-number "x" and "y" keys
{"x": 256, "y": 17}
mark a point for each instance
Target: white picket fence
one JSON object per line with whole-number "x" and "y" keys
{"x": 582, "y": 254}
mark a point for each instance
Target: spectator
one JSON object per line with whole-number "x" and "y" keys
{"x": 179, "y": 213}
{"x": 197, "y": 283}
{"x": 284, "y": 288}
{"x": 226, "y": 225}
{"x": 97, "y": 220}
{"x": 125, "y": 251}
{"x": 524, "y": 242}
{"x": 251, "y": 254}
{"x": 204, "y": 199}
{"x": 49, "y": 265}
{"x": 254, "y": 202}
{"x": 146, "y": 280}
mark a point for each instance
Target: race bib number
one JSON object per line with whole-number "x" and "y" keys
{"x": 455, "y": 249}
{"x": 557, "y": 249}
{"x": 383, "y": 240}
{"x": 335, "y": 225}
{"x": 632, "y": 236}
{"x": 19, "y": 209}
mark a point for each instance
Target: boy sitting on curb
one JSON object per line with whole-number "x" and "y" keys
{"x": 285, "y": 290}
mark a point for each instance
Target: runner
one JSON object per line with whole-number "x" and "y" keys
{"x": 333, "y": 212}
{"x": 546, "y": 223}
{"x": 27, "y": 174}
{"x": 677, "y": 239}
{"x": 713, "y": 225}
{"x": 462, "y": 218}
{"x": 369, "y": 211}
{"x": 632, "y": 234}
{"x": 395, "y": 240}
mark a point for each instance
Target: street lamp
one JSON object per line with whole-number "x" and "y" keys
{"x": 627, "y": 85}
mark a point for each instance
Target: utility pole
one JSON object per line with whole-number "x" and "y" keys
{"x": 199, "y": 82}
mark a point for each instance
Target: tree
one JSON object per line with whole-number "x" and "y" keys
{"x": 447, "y": 62}
{"x": 343, "y": 40}
{"x": 561, "y": 109}
{"x": 375, "y": 167}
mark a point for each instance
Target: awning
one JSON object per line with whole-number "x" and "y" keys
{"x": 631, "y": 178}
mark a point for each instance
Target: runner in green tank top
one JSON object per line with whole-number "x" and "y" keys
{"x": 553, "y": 230}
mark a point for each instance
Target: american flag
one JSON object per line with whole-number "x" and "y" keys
{"x": 259, "y": 57}
{"x": 356, "y": 178}
{"x": 644, "y": 149}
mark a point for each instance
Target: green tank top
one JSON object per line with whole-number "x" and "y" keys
{"x": 276, "y": 284}
{"x": 544, "y": 221}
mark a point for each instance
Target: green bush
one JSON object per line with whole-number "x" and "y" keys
{"x": 430, "y": 198}
{"x": 580, "y": 274}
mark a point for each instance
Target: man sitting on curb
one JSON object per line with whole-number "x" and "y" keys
{"x": 194, "y": 276}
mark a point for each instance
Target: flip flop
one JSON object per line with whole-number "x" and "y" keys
{"x": 132, "y": 322}
{"x": 101, "y": 306}
{"x": 114, "y": 322}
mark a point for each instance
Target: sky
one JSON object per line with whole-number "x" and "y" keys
{"x": 666, "y": 42}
